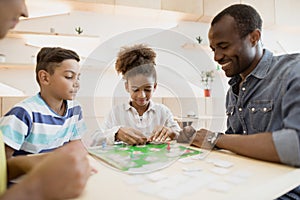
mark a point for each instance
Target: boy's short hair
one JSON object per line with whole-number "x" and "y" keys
{"x": 49, "y": 58}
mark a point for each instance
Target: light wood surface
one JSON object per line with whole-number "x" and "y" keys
{"x": 265, "y": 181}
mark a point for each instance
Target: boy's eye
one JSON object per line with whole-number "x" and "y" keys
{"x": 68, "y": 77}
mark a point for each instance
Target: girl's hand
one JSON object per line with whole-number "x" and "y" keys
{"x": 131, "y": 136}
{"x": 161, "y": 134}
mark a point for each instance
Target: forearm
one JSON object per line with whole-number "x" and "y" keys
{"x": 20, "y": 165}
{"x": 259, "y": 146}
{"x": 28, "y": 188}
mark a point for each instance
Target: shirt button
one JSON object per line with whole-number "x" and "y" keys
{"x": 252, "y": 109}
{"x": 265, "y": 109}
{"x": 244, "y": 132}
{"x": 243, "y": 88}
{"x": 240, "y": 109}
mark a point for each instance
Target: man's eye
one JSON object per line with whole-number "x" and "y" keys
{"x": 223, "y": 46}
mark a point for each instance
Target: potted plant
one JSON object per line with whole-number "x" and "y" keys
{"x": 207, "y": 78}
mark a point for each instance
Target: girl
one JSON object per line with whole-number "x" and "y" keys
{"x": 140, "y": 120}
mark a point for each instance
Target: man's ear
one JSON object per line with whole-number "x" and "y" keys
{"x": 255, "y": 37}
{"x": 43, "y": 76}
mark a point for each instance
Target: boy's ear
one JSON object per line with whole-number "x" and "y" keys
{"x": 43, "y": 77}
{"x": 155, "y": 84}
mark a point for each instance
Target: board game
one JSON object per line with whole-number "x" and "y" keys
{"x": 142, "y": 158}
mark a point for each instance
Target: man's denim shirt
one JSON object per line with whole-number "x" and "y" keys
{"x": 269, "y": 101}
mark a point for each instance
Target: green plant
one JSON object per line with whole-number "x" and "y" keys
{"x": 207, "y": 77}
{"x": 79, "y": 30}
{"x": 199, "y": 39}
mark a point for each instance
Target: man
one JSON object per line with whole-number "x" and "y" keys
{"x": 58, "y": 175}
{"x": 263, "y": 102}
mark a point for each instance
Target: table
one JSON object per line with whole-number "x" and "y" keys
{"x": 265, "y": 180}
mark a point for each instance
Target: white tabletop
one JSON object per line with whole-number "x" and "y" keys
{"x": 245, "y": 179}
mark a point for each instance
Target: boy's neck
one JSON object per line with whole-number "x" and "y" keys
{"x": 58, "y": 106}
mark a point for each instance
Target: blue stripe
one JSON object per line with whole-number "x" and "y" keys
{"x": 22, "y": 115}
{"x": 52, "y": 120}
{"x": 76, "y": 110}
{"x": 47, "y": 119}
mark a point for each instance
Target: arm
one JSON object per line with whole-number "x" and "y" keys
{"x": 44, "y": 180}
{"x": 9, "y": 152}
{"x": 259, "y": 146}
{"x": 170, "y": 129}
{"x": 20, "y": 165}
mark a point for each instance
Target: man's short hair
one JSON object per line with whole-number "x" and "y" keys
{"x": 246, "y": 17}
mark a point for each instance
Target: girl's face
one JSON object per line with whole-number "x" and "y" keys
{"x": 64, "y": 82}
{"x": 141, "y": 89}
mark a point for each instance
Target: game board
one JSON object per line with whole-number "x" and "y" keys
{"x": 141, "y": 158}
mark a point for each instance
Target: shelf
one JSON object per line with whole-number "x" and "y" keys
{"x": 17, "y": 66}
{"x": 18, "y": 34}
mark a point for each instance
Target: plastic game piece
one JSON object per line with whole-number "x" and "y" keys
{"x": 103, "y": 144}
{"x": 131, "y": 154}
{"x": 168, "y": 147}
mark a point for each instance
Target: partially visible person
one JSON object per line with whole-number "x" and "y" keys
{"x": 51, "y": 118}
{"x": 58, "y": 175}
{"x": 140, "y": 120}
{"x": 61, "y": 174}
{"x": 263, "y": 102}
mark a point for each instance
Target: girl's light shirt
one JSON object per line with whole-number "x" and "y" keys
{"x": 125, "y": 115}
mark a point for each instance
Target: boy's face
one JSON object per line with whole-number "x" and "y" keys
{"x": 64, "y": 82}
{"x": 10, "y": 12}
{"x": 141, "y": 89}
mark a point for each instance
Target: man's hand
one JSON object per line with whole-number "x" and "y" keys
{"x": 202, "y": 139}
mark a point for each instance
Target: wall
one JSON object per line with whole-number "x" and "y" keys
{"x": 209, "y": 112}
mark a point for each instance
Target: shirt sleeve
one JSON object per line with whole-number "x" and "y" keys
{"x": 110, "y": 128}
{"x": 15, "y": 126}
{"x": 287, "y": 139}
{"x": 80, "y": 127}
{"x": 170, "y": 122}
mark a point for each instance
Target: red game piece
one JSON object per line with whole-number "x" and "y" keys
{"x": 168, "y": 147}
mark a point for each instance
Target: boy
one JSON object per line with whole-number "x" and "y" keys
{"x": 49, "y": 119}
